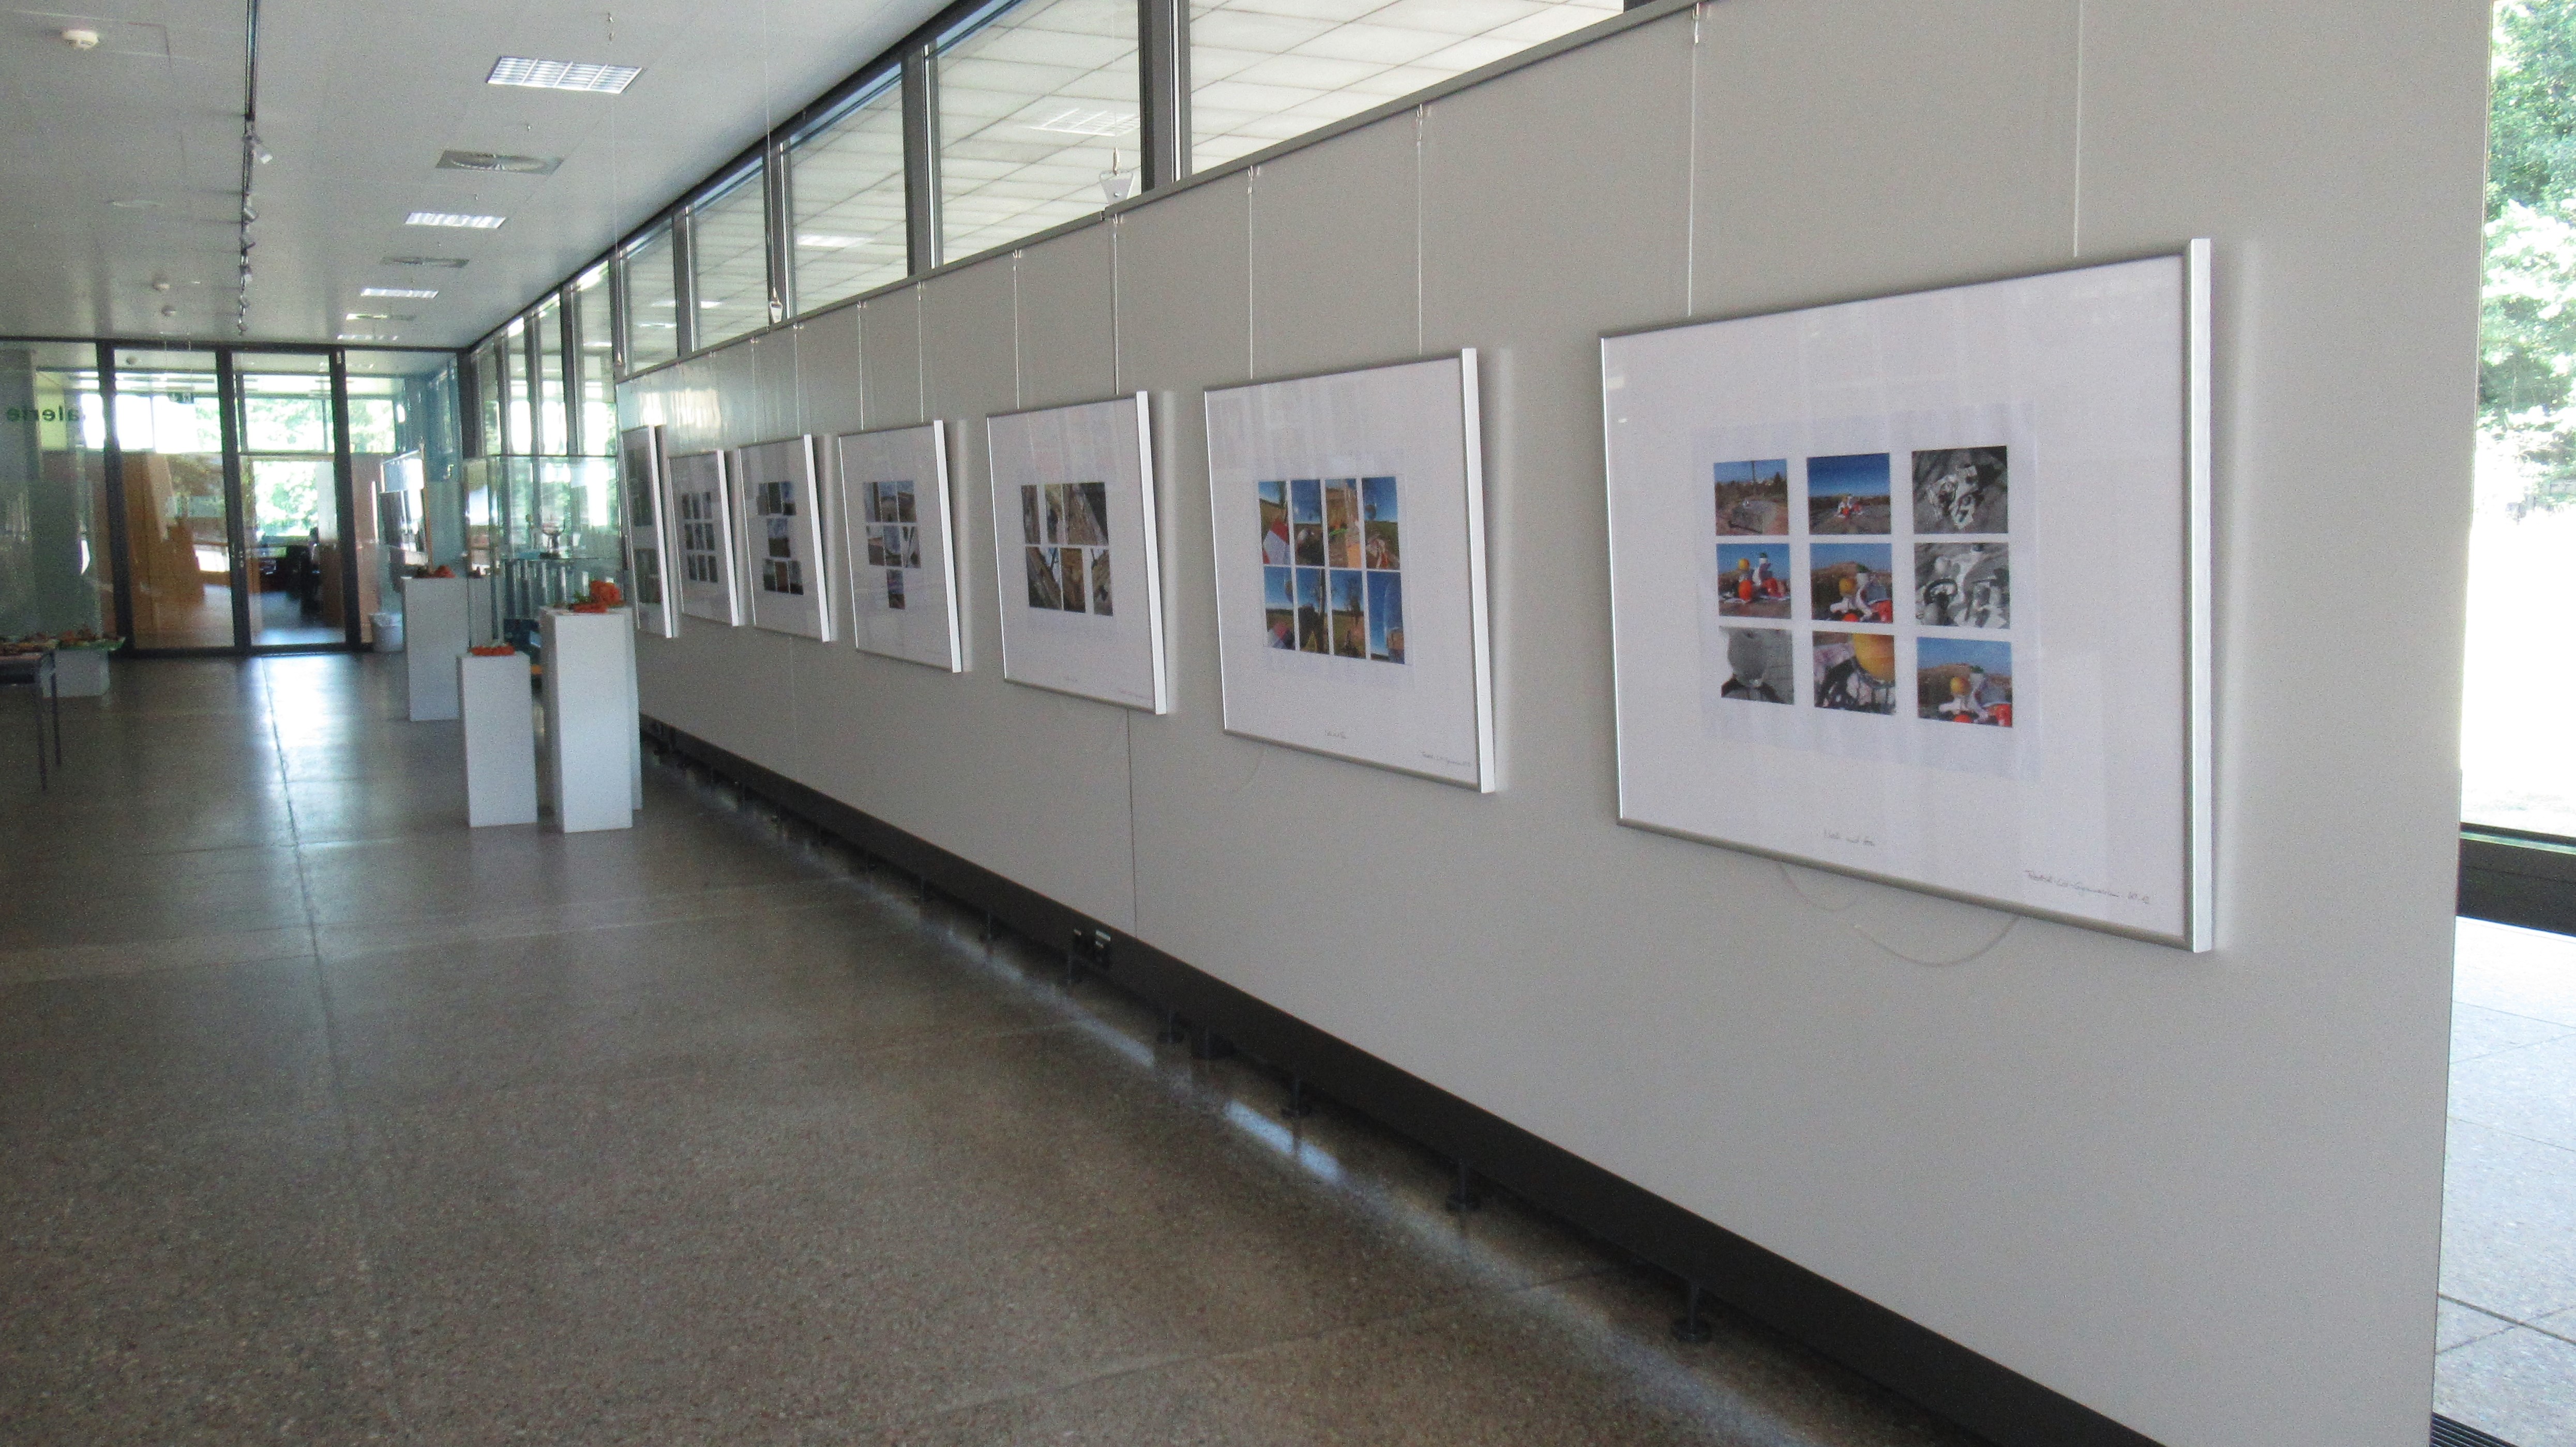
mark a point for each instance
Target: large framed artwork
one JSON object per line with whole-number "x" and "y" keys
{"x": 701, "y": 516}
{"x": 639, "y": 451}
{"x": 1350, "y": 566}
{"x": 782, "y": 512}
{"x": 1075, "y": 542}
{"x": 1917, "y": 588}
{"x": 895, "y": 534}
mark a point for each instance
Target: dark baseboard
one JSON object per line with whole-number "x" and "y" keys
{"x": 1916, "y": 1363}
{"x": 2447, "y": 1433}
{"x": 2514, "y": 878}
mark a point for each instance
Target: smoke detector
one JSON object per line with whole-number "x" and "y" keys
{"x": 81, "y": 38}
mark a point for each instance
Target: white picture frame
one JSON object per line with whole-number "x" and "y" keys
{"x": 1349, "y": 515}
{"x": 700, "y": 507}
{"x": 1079, "y": 480}
{"x": 648, "y": 544}
{"x": 785, "y": 578}
{"x": 1978, "y": 505}
{"x": 898, "y": 544}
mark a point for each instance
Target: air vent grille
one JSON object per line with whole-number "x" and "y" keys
{"x": 452, "y": 263}
{"x": 495, "y": 161}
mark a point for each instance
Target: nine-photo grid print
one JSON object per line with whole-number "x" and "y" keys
{"x": 1332, "y": 567}
{"x": 1851, "y": 581}
{"x": 1064, "y": 529}
{"x": 893, "y": 535}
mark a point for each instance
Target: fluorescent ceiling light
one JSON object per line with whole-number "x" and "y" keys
{"x": 369, "y": 337}
{"x": 415, "y": 293}
{"x": 830, "y": 243}
{"x": 382, "y": 317}
{"x": 452, "y": 263}
{"x": 661, "y": 326}
{"x": 561, "y": 74}
{"x": 1081, "y": 121}
{"x": 708, "y": 306}
{"x": 453, "y": 218}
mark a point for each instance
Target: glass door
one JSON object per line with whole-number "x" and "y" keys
{"x": 296, "y": 569}
{"x": 182, "y": 557}
{"x": 234, "y": 466}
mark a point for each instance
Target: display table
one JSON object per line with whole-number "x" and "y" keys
{"x": 37, "y": 671}
{"x": 592, "y": 743}
{"x": 434, "y": 637}
{"x": 500, "y": 740}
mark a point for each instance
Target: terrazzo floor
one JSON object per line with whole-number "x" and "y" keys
{"x": 2508, "y": 1310}
{"x": 329, "y": 1120}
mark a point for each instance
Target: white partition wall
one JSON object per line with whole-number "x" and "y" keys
{"x": 435, "y": 635}
{"x": 2199, "y": 1194}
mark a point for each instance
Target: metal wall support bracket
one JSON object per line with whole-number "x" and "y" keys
{"x": 1690, "y": 1326}
{"x": 1464, "y": 1198}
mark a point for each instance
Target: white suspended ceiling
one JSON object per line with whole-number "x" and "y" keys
{"x": 121, "y": 164}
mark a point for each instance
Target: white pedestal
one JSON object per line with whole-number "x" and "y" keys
{"x": 591, "y": 727}
{"x": 80, "y": 672}
{"x": 433, "y": 639}
{"x": 500, "y": 740}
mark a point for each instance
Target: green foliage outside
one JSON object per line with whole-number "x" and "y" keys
{"x": 2527, "y": 342}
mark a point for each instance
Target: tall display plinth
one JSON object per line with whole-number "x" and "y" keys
{"x": 500, "y": 740}
{"x": 434, "y": 637}
{"x": 592, "y": 740}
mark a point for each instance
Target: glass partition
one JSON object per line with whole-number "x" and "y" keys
{"x": 1036, "y": 107}
{"x": 55, "y": 572}
{"x": 729, "y": 243}
{"x": 179, "y": 544}
{"x": 596, "y": 404}
{"x": 845, "y": 186}
{"x": 652, "y": 301}
{"x": 518, "y": 435}
{"x": 407, "y": 510}
{"x": 554, "y": 529}
{"x": 554, "y": 418}
{"x": 487, "y": 396}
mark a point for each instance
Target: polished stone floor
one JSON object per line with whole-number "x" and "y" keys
{"x": 2508, "y": 1362}
{"x": 329, "y": 1120}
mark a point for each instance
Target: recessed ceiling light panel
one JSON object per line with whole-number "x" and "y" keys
{"x": 451, "y": 263}
{"x": 561, "y": 74}
{"x": 497, "y": 161}
{"x": 409, "y": 293}
{"x": 382, "y": 317}
{"x": 461, "y": 219}
{"x": 1089, "y": 121}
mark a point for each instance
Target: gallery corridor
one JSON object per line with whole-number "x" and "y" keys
{"x": 329, "y": 1120}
